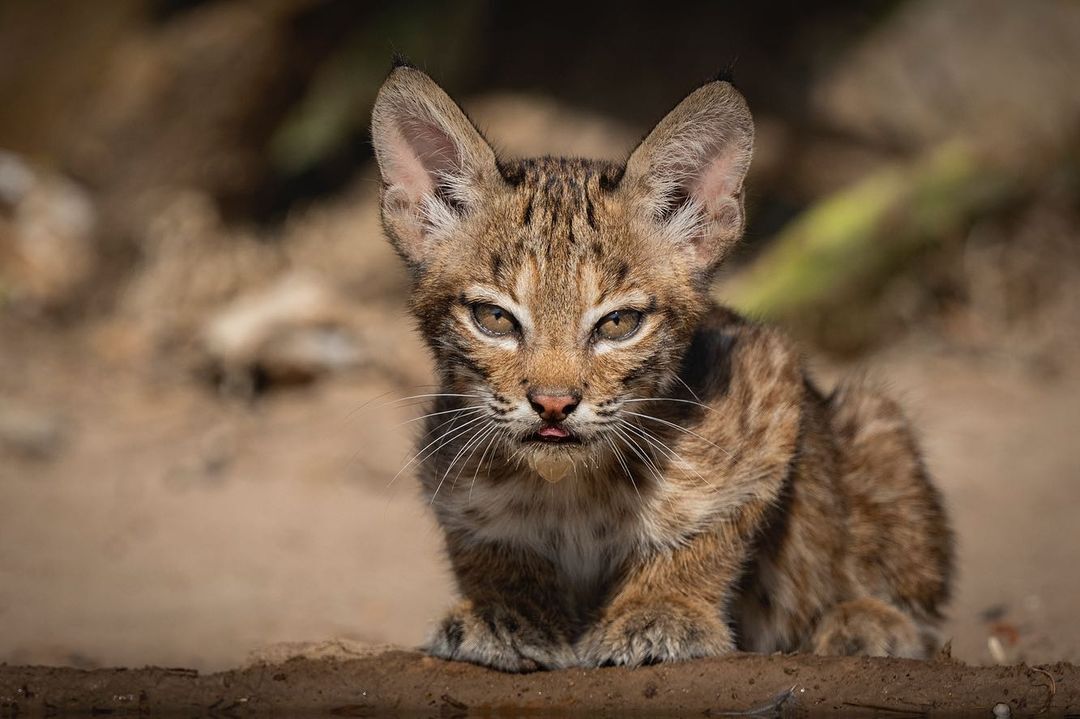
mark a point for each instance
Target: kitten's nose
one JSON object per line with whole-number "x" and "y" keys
{"x": 553, "y": 406}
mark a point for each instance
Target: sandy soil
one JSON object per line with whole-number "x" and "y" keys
{"x": 408, "y": 683}
{"x": 172, "y": 527}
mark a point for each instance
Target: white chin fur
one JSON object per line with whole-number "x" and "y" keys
{"x": 552, "y": 467}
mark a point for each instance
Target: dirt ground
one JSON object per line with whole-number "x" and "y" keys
{"x": 408, "y": 683}
{"x": 169, "y": 526}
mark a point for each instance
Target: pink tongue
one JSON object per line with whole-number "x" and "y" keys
{"x": 558, "y": 432}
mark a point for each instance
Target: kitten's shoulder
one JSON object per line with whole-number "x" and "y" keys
{"x": 727, "y": 345}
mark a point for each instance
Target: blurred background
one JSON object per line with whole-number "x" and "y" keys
{"x": 203, "y": 342}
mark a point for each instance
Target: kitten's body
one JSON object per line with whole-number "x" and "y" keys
{"x": 712, "y": 497}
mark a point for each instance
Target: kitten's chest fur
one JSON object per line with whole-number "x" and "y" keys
{"x": 586, "y": 527}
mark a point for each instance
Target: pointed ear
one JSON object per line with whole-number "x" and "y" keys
{"x": 691, "y": 169}
{"x": 433, "y": 162}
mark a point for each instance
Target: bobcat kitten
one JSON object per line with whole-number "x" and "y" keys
{"x": 625, "y": 472}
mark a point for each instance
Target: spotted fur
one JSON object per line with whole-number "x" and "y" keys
{"x": 717, "y": 500}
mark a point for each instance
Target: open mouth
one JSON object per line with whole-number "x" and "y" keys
{"x": 553, "y": 434}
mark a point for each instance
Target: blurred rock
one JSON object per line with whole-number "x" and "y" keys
{"x": 263, "y": 307}
{"x": 292, "y": 331}
{"x": 1000, "y": 71}
{"x": 30, "y": 432}
{"x": 184, "y": 104}
{"x": 339, "y": 649}
{"x": 342, "y": 239}
{"x": 520, "y": 125}
{"x": 1018, "y": 276}
{"x": 47, "y": 236}
{"x": 192, "y": 264}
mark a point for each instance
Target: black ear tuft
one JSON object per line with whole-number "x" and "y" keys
{"x": 611, "y": 176}
{"x": 400, "y": 61}
{"x": 726, "y": 73}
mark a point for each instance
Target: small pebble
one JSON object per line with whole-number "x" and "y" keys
{"x": 1002, "y": 710}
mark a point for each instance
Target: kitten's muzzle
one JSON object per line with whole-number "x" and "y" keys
{"x": 553, "y": 433}
{"x": 553, "y": 405}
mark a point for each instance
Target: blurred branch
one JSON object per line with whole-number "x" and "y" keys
{"x": 860, "y": 236}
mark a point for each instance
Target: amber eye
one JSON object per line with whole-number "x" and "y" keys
{"x": 618, "y": 325}
{"x": 494, "y": 319}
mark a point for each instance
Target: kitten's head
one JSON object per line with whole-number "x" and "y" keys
{"x": 551, "y": 291}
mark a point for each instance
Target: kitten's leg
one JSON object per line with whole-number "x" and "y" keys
{"x": 900, "y": 543}
{"x": 671, "y": 607}
{"x": 871, "y": 627}
{"x": 512, "y": 616}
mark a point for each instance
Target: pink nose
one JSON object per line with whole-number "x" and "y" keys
{"x": 553, "y": 407}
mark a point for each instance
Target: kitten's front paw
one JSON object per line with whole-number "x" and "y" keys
{"x": 500, "y": 638}
{"x": 658, "y": 630}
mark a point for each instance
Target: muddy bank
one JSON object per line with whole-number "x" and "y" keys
{"x": 407, "y": 682}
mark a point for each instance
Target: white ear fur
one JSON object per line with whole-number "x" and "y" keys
{"x": 432, "y": 160}
{"x": 691, "y": 168}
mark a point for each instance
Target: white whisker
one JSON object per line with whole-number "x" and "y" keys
{"x": 688, "y": 389}
{"x": 681, "y": 429}
{"x": 377, "y": 397}
{"x": 622, "y": 463}
{"x": 471, "y": 442}
{"x": 469, "y": 409}
{"x": 640, "y": 452}
{"x": 480, "y": 463}
{"x": 483, "y": 434}
{"x": 671, "y": 453}
{"x": 435, "y": 394}
{"x": 670, "y": 399}
{"x": 444, "y": 437}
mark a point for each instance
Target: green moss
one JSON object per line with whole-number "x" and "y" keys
{"x": 863, "y": 234}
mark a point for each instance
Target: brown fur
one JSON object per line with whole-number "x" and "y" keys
{"x": 717, "y": 500}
